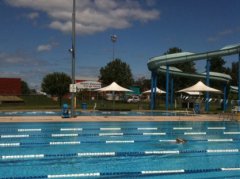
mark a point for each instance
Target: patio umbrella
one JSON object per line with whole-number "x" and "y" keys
{"x": 200, "y": 87}
{"x": 114, "y": 87}
{"x": 159, "y": 91}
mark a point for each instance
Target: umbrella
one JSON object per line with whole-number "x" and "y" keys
{"x": 114, "y": 87}
{"x": 200, "y": 87}
{"x": 157, "y": 91}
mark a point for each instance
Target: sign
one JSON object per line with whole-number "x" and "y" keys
{"x": 89, "y": 85}
{"x": 73, "y": 88}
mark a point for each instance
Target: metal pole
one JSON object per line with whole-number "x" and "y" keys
{"x": 73, "y": 58}
{"x": 224, "y": 97}
{"x": 167, "y": 81}
{"x": 153, "y": 90}
{"x": 239, "y": 79}
{"x": 113, "y": 39}
{"x": 207, "y": 83}
{"x": 172, "y": 93}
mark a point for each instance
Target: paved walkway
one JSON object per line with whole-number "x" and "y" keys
{"x": 111, "y": 118}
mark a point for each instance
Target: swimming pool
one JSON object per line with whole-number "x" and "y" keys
{"x": 119, "y": 150}
{"x": 93, "y": 113}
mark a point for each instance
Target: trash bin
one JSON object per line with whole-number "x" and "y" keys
{"x": 65, "y": 111}
{"x": 197, "y": 108}
{"x": 84, "y": 106}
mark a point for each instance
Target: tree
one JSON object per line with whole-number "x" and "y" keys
{"x": 217, "y": 65}
{"x": 234, "y": 73}
{"x": 144, "y": 83}
{"x": 56, "y": 84}
{"x": 186, "y": 67}
{"x": 117, "y": 71}
{"x": 24, "y": 88}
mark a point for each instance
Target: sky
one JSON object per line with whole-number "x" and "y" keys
{"x": 35, "y": 35}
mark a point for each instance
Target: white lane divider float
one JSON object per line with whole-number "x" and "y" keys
{"x": 195, "y": 133}
{"x": 216, "y": 128}
{"x": 220, "y": 140}
{"x": 87, "y": 154}
{"x": 119, "y": 141}
{"x": 162, "y": 152}
{"x": 5, "y": 157}
{"x": 147, "y": 128}
{"x": 222, "y": 150}
{"x": 170, "y": 140}
{"x": 110, "y": 129}
{"x": 64, "y": 135}
{"x": 162, "y": 171}
{"x": 14, "y": 136}
{"x": 154, "y": 133}
{"x": 9, "y": 144}
{"x": 231, "y": 133}
{"x": 110, "y": 134}
{"x": 71, "y": 129}
{"x": 182, "y": 128}
{"x": 74, "y": 175}
{"x": 29, "y": 130}
{"x": 65, "y": 143}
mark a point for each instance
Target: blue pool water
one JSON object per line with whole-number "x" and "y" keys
{"x": 92, "y": 113}
{"x": 120, "y": 150}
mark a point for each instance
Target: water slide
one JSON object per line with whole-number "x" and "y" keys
{"x": 170, "y": 59}
{"x": 162, "y": 63}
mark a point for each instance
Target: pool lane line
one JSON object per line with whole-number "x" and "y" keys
{"x": 52, "y": 143}
{"x": 114, "y": 134}
{"x": 105, "y": 128}
{"x": 130, "y": 173}
{"x": 113, "y": 154}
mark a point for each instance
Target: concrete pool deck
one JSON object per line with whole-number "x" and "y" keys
{"x": 201, "y": 117}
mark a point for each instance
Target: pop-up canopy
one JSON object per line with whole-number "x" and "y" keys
{"x": 200, "y": 87}
{"x": 114, "y": 87}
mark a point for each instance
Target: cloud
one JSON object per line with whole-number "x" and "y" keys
{"x": 222, "y": 34}
{"x": 46, "y": 47}
{"x": 33, "y": 15}
{"x": 23, "y": 65}
{"x": 92, "y": 16}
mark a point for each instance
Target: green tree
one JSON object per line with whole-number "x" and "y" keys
{"x": 186, "y": 67}
{"x": 56, "y": 84}
{"x": 145, "y": 84}
{"x": 234, "y": 73}
{"x": 117, "y": 71}
{"x": 217, "y": 65}
{"x": 24, "y": 88}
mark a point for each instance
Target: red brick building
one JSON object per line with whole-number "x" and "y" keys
{"x": 10, "y": 86}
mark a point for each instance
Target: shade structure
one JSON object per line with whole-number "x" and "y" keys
{"x": 200, "y": 87}
{"x": 114, "y": 87}
{"x": 159, "y": 91}
{"x": 194, "y": 93}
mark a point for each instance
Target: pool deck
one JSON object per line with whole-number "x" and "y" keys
{"x": 202, "y": 117}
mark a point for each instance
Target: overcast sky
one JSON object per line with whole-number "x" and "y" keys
{"x": 35, "y": 35}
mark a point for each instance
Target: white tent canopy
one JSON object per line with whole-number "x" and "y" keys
{"x": 194, "y": 93}
{"x": 159, "y": 91}
{"x": 114, "y": 87}
{"x": 200, "y": 87}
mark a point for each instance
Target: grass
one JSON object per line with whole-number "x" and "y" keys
{"x": 41, "y": 102}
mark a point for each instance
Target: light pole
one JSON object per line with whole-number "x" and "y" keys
{"x": 113, "y": 39}
{"x": 72, "y": 50}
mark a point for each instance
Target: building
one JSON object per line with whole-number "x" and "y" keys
{"x": 10, "y": 89}
{"x": 10, "y": 86}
